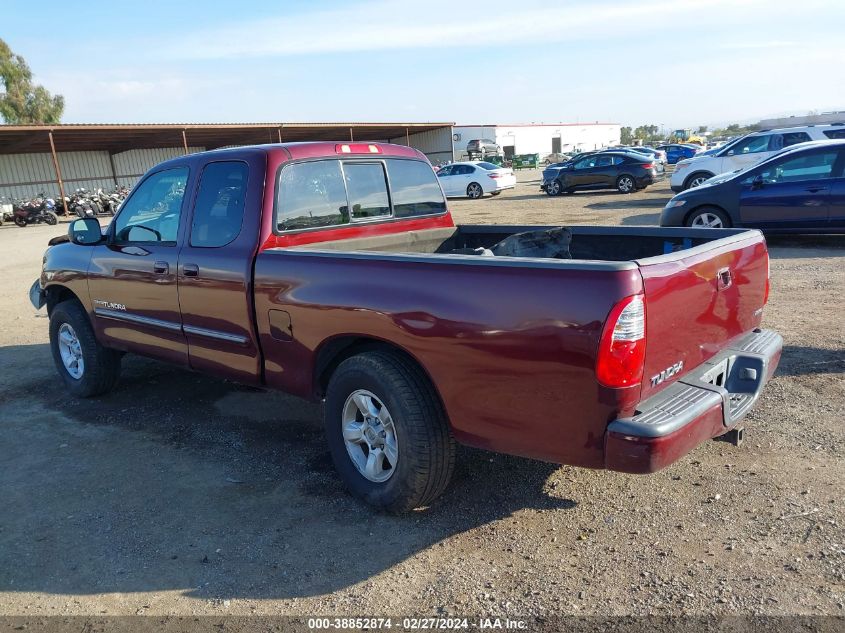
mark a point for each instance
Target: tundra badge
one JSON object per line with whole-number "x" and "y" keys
{"x": 667, "y": 373}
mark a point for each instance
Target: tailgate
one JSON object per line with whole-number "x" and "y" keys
{"x": 699, "y": 299}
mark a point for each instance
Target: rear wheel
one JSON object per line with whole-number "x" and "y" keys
{"x": 474, "y": 191}
{"x": 554, "y": 188}
{"x": 387, "y": 432}
{"x": 86, "y": 367}
{"x": 626, "y": 184}
{"x": 709, "y": 218}
{"x": 51, "y": 218}
{"x": 697, "y": 179}
{"x": 20, "y": 221}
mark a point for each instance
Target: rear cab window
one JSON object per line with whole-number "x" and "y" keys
{"x": 336, "y": 192}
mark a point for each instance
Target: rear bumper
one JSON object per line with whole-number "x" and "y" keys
{"x": 705, "y": 403}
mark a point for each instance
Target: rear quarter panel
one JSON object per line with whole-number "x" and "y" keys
{"x": 509, "y": 347}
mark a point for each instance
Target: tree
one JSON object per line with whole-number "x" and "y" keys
{"x": 21, "y": 101}
{"x": 626, "y": 137}
{"x": 702, "y": 129}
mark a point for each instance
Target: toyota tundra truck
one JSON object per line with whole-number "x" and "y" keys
{"x": 334, "y": 272}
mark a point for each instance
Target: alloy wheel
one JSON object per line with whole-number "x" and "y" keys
{"x": 71, "y": 351}
{"x": 370, "y": 436}
{"x": 707, "y": 220}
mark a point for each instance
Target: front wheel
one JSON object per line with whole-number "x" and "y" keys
{"x": 387, "y": 432}
{"x": 625, "y": 184}
{"x": 86, "y": 367}
{"x": 697, "y": 179}
{"x": 21, "y": 222}
{"x": 51, "y": 218}
{"x": 554, "y": 188}
{"x": 474, "y": 191}
{"x": 708, "y": 218}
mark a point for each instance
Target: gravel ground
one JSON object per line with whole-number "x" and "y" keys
{"x": 179, "y": 494}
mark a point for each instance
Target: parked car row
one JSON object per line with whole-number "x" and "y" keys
{"x": 799, "y": 188}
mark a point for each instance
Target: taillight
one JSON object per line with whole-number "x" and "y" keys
{"x": 648, "y": 165}
{"x": 494, "y": 176}
{"x": 621, "y": 352}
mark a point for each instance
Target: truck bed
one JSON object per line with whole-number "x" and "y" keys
{"x": 592, "y": 243}
{"x": 512, "y": 342}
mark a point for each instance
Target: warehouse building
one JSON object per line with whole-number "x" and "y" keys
{"x": 38, "y": 159}
{"x": 538, "y": 138}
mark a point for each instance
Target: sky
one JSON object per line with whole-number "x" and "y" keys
{"x": 676, "y": 63}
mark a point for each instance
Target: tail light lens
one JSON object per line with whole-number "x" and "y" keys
{"x": 494, "y": 176}
{"x": 648, "y": 165}
{"x": 622, "y": 348}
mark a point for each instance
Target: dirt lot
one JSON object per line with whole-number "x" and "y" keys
{"x": 182, "y": 494}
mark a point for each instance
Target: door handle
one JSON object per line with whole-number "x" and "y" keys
{"x": 190, "y": 270}
{"x": 815, "y": 189}
{"x": 161, "y": 268}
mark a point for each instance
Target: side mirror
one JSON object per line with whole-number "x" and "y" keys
{"x": 757, "y": 183}
{"x": 85, "y": 231}
{"x": 730, "y": 153}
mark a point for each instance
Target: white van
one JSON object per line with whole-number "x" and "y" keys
{"x": 746, "y": 151}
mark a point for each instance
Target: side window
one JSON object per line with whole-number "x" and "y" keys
{"x": 414, "y": 189}
{"x": 366, "y": 186}
{"x": 311, "y": 195}
{"x": 834, "y": 133}
{"x": 752, "y": 145}
{"x": 585, "y": 163}
{"x": 618, "y": 160}
{"x": 807, "y": 167}
{"x": 219, "y": 209}
{"x": 793, "y": 138}
{"x": 445, "y": 171}
{"x": 151, "y": 213}
{"x": 604, "y": 161}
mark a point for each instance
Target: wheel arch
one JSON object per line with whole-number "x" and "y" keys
{"x": 334, "y": 351}
{"x": 57, "y": 293}
{"x": 700, "y": 172}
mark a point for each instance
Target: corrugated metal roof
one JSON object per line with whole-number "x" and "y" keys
{"x": 119, "y": 137}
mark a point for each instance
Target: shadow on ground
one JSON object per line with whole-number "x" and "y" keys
{"x": 802, "y": 246}
{"x": 177, "y": 481}
{"x": 798, "y": 360}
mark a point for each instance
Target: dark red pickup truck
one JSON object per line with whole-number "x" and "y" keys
{"x": 334, "y": 271}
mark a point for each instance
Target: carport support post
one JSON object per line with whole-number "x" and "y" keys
{"x": 351, "y": 138}
{"x": 58, "y": 170}
{"x": 185, "y": 142}
{"x": 279, "y": 130}
{"x": 407, "y": 137}
{"x": 113, "y": 169}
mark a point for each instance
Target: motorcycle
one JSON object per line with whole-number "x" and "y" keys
{"x": 35, "y": 212}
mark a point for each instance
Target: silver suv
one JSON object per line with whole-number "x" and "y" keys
{"x": 746, "y": 151}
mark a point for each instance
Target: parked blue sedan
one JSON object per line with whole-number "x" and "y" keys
{"x": 798, "y": 190}
{"x": 677, "y": 151}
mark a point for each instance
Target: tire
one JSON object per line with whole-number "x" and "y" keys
{"x": 51, "y": 218}
{"x": 696, "y": 179}
{"x": 708, "y": 217}
{"x": 20, "y": 221}
{"x": 626, "y": 184}
{"x": 554, "y": 188}
{"x": 474, "y": 191}
{"x": 100, "y": 366}
{"x": 425, "y": 450}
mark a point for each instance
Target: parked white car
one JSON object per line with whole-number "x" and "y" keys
{"x": 746, "y": 151}
{"x": 472, "y": 179}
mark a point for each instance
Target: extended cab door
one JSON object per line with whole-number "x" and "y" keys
{"x": 791, "y": 192}
{"x": 132, "y": 276}
{"x": 215, "y": 269}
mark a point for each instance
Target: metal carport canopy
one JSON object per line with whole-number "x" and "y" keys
{"x": 115, "y": 138}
